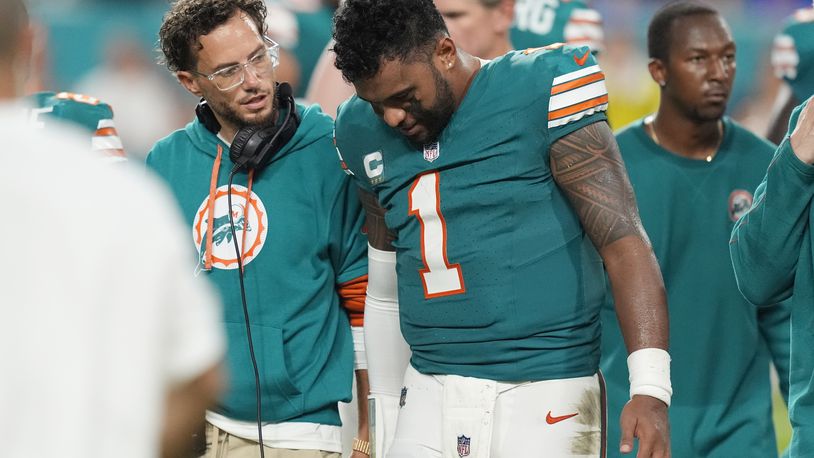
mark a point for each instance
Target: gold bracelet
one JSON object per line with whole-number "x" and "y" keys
{"x": 361, "y": 446}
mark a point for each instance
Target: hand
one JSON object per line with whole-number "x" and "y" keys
{"x": 802, "y": 139}
{"x": 358, "y": 454}
{"x": 645, "y": 417}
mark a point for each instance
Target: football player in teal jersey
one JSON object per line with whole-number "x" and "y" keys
{"x": 494, "y": 191}
{"x": 83, "y": 111}
{"x": 793, "y": 61}
{"x": 485, "y": 29}
{"x": 542, "y": 22}
{"x": 693, "y": 171}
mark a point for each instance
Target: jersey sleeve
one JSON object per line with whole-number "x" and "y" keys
{"x": 774, "y": 324}
{"x": 348, "y": 242}
{"x": 584, "y": 28}
{"x": 576, "y": 92}
{"x": 83, "y": 111}
{"x": 350, "y": 132}
{"x": 766, "y": 241}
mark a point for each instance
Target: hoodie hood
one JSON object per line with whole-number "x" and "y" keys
{"x": 314, "y": 125}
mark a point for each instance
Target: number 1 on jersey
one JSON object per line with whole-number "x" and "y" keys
{"x": 439, "y": 277}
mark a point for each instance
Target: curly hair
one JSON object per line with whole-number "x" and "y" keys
{"x": 659, "y": 32}
{"x": 188, "y": 20}
{"x": 366, "y": 32}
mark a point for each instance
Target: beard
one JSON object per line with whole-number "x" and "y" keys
{"x": 435, "y": 118}
{"x": 231, "y": 115}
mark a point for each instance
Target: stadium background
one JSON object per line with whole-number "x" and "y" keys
{"x": 106, "y": 48}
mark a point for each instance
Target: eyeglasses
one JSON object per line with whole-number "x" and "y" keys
{"x": 261, "y": 64}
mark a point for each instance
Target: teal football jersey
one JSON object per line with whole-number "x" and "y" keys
{"x": 496, "y": 276}
{"x": 793, "y": 54}
{"x": 721, "y": 406}
{"x": 543, "y": 22}
{"x": 88, "y": 113}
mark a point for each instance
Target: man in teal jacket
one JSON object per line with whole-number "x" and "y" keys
{"x": 771, "y": 250}
{"x": 295, "y": 219}
{"x": 693, "y": 171}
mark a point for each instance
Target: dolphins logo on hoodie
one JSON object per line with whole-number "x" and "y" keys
{"x": 251, "y": 227}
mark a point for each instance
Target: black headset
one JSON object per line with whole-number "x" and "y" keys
{"x": 255, "y": 146}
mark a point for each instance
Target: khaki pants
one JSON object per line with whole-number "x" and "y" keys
{"x": 220, "y": 444}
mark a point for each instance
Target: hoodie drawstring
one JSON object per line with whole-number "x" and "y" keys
{"x": 210, "y": 223}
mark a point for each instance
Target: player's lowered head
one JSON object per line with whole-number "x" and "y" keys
{"x": 400, "y": 58}
{"x": 16, "y": 44}
{"x": 692, "y": 59}
{"x": 218, "y": 50}
{"x": 479, "y": 27}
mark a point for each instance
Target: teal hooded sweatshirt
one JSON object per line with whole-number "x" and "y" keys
{"x": 772, "y": 249}
{"x": 300, "y": 235}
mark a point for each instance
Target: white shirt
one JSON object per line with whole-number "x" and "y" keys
{"x": 99, "y": 311}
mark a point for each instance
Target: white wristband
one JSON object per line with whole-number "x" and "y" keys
{"x": 649, "y": 370}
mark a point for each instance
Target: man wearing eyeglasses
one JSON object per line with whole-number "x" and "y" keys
{"x": 281, "y": 240}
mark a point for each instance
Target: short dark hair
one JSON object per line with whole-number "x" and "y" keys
{"x": 366, "y": 32}
{"x": 659, "y": 32}
{"x": 13, "y": 19}
{"x": 188, "y": 20}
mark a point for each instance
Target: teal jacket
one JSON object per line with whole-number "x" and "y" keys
{"x": 301, "y": 237}
{"x": 773, "y": 256}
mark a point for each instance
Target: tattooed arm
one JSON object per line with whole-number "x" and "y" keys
{"x": 378, "y": 235}
{"x": 587, "y": 166}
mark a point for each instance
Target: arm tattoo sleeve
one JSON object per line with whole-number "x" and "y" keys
{"x": 587, "y": 166}
{"x": 379, "y": 236}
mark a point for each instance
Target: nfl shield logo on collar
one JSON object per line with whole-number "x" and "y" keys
{"x": 463, "y": 446}
{"x": 432, "y": 151}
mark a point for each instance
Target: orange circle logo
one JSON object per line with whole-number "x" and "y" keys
{"x": 251, "y": 226}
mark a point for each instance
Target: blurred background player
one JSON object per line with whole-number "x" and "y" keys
{"x": 83, "y": 111}
{"x": 479, "y": 27}
{"x": 105, "y": 331}
{"x": 543, "y": 22}
{"x": 302, "y": 28}
{"x": 793, "y": 61}
{"x": 128, "y": 80}
{"x": 693, "y": 171}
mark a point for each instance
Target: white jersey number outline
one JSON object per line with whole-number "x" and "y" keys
{"x": 440, "y": 278}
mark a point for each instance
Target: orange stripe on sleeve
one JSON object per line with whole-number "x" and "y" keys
{"x": 598, "y": 76}
{"x": 106, "y": 132}
{"x": 567, "y": 111}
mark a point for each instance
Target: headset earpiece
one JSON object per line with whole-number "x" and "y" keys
{"x": 207, "y": 117}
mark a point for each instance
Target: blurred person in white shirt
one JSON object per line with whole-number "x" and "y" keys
{"x": 109, "y": 347}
